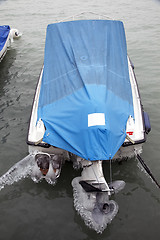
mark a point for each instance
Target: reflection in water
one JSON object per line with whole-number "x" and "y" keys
{"x": 5, "y": 65}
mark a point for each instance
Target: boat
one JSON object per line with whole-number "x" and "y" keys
{"x": 6, "y": 38}
{"x": 87, "y": 110}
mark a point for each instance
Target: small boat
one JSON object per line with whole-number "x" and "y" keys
{"x": 87, "y": 109}
{"x": 6, "y": 37}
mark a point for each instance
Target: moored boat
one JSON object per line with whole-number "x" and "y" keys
{"x": 87, "y": 109}
{"x": 6, "y": 37}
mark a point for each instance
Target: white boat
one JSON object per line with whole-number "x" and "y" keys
{"x": 6, "y": 38}
{"x": 87, "y": 109}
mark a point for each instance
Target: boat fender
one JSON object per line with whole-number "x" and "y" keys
{"x": 147, "y": 122}
{"x": 14, "y": 33}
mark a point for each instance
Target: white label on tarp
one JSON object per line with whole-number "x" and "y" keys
{"x": 95, "y": 119}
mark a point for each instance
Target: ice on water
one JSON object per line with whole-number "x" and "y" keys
{"x": 95, "y": 208}
{"x": 20, "y": 170}
{"x": 27, "y": 167}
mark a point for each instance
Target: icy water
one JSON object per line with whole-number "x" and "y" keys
{"x": 41, "y": 211}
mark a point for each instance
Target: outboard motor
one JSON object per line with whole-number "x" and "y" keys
{"x": 46, "y": 167}
{"x": 91, "y": 196}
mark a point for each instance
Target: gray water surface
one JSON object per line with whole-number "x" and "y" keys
{"x": 41, "y": 211}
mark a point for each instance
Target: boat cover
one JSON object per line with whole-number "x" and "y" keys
{"x": 4, "y": 31}
{"x": 85, "y": 98}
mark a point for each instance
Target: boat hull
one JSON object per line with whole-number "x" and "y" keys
{"x": 5, "y": 48}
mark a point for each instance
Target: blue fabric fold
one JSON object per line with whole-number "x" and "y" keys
{"x": 4, "y": 31}
{"x": 86, "y": 78}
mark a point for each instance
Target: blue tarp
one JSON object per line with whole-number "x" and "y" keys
{"x": 4, "y": 31}
{"x": 86, "y": 97}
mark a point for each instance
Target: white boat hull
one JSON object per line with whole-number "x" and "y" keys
{"x": 5, "y": 48}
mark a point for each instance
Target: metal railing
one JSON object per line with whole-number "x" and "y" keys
{"x": 86, "y": 15}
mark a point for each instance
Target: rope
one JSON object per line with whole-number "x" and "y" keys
{"x": 147, "y": 170}
{"x": 110, "y": 169}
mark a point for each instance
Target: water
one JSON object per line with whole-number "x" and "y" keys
{"x": 41, "y": 211}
